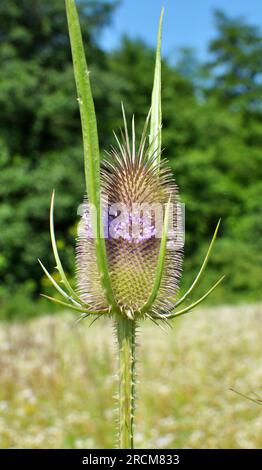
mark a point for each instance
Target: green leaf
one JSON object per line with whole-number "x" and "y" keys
{"x": 144, "y": 136}
{"x": 155, "y": 136}
{"x": 160, "y": 264}
{"x": 55, "y": 251}
{"x": 57, "y": 287}
{"x": 202, "y": 269}
{"x": 91, "y": 146}
{"x": 72, "y": 307}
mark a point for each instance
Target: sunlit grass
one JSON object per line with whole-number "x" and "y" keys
{"x": 58, "y": 382}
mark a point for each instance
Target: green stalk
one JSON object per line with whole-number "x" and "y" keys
{"x": 125, "y": 329}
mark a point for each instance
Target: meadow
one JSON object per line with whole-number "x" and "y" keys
{"x": 58, "y": 382}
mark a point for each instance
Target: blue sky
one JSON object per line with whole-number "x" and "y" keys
{"x": 186, "y": 22}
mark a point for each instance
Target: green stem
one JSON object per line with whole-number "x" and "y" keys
{"x": 125, "y": 329}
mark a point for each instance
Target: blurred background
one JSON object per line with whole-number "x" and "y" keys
{"x": 212, "y": 136}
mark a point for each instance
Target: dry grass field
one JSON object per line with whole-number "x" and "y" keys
{"x": 57, "y": 382}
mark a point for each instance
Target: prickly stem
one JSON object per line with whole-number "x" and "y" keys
{"x": 126, "y": 334}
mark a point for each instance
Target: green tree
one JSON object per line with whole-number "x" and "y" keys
{"x": 237, "y": 60}
{"x": 37, "y": 87}
{"x": 221, "y": 175}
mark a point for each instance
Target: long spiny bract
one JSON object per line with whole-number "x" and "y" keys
{"x": 91, "y": 146}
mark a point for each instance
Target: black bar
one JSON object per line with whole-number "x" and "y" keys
{"x": 38, "y": 459}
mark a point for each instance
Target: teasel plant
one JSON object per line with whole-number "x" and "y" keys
{"x": 125, "y": 277}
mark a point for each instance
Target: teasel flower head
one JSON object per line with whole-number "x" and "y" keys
{"x": 126, "y": 262}
{"x": 136, "y": 190}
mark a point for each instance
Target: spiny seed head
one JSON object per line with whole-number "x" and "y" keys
{"x": 135, "y": 190}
